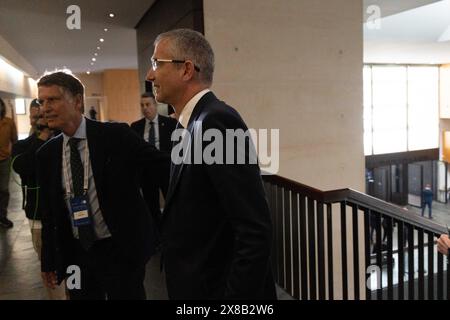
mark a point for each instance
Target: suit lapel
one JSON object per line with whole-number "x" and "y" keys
{"x": 97, "y": 155}
{"x": 141, "y": 127}
{"x": 192, "y": 126}
{"x": 58, "y": 159}
{"x": 162, "y": 134}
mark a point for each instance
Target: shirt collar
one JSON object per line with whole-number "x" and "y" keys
{"x": 155, "y": 119}
{"x": 189, "y": 108}
{"x": 80, "y": 133}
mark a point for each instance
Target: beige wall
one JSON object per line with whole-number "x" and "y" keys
{"x": 444, "y": 109}
{"x": 122, "y": 93}
{"x": 115, "y": 94}
{"x": 297, "y": 67}
{"x": 93, "y": 83}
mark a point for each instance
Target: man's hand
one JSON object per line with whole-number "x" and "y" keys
{"x": 443, "y": 244}
{"x": 50, "y": 279}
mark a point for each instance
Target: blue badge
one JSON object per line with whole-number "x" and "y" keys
{"x": 80, "y": 211}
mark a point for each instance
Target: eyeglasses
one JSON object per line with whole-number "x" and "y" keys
{"x": 155, "y": 63}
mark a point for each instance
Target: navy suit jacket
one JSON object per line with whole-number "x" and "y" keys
{"x": 116, "y": 153}
{"x": 217, "y": 231}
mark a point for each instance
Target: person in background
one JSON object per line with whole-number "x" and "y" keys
{"x": 157, "y": 130}
{"x": 8, "y": 136}
{"x": 34, "y": 115}
{"x": 24, "y": 163}
{"x": 427, "y": 200}
{"x": 93, "y": 113}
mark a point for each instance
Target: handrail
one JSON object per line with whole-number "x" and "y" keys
{"x": 356, "y": 197}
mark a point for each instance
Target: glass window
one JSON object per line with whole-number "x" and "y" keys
{"x": 401, "y": 108}
{"x": 367, "y": 74}
{"x": 389, "y": 109}
{"x": 20, "y": 106}
{"x": 423, "y": 108}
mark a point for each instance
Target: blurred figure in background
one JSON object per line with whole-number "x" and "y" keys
{"x": 8, "y": 136}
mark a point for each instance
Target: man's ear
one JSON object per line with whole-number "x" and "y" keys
{"x": 189, "y": 70}
{"x": 79, "y": 102}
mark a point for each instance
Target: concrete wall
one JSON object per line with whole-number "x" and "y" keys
{"x": 444, "y": 111}
{"x": 122, "y": 95}
{"x": 164, "y": 15}
{"x": 296, "y": 65}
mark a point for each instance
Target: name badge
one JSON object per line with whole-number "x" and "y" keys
{"x": 80, "y": 211}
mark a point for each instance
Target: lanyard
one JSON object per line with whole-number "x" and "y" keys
{"x": 66, "y": 172}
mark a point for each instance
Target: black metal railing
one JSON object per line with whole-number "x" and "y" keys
{"x": 343, "y": 244}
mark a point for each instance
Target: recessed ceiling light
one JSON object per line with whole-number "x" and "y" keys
{"x": 106, "y": 29}
{"x": 92, "y": 63}
{"x": 93, "y": 59}
{"x": 98, "y": 48}
{"x": 101, "y": 39}
{"x": 88, "y": 72}
{"x": 96, "y": 54}
{"x": 111, "y": 15}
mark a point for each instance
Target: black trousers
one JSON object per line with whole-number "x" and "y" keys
{"x": 105, "y": 276}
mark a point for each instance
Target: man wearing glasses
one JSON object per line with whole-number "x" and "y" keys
{"x": 217, "y": 231}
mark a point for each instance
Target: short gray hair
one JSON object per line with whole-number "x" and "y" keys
{"x": 187, "y": 44}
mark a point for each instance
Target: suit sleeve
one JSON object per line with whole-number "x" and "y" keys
{"x": 24, "y": 156}
{"x": 48, "y": 236}
{"x": 145, "y": 154}
{"x": 242, "y": 197}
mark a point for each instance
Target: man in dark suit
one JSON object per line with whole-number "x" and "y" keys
{"x": 157, "y": 131}
{"x": 93, "y": 215}
{"x": 217, "y": 231}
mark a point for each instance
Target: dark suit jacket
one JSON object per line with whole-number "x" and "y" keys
{"x": 166, "y": 126}
{"x": 152, "y": 180}
{"x": 217, "y": 231}
{"x": 115, "y": 154}
{"x": 24, "y": 156}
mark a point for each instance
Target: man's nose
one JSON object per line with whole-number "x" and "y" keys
{"x": 150, "y": 75}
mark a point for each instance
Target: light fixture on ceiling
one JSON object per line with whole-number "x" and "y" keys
{"x": 101, "y": 39}
{"x": 106, "y": 29}
{"x": 111, "y": 15}
{"x": 93, "y": 59}
{"x": 98, "y": 48}
{"x": 88, "y": 72}
{"x": 92, "y": 63}
{"x": 96, "y": 54}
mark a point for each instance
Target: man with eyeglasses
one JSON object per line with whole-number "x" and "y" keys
{"x": 217, "y": 231}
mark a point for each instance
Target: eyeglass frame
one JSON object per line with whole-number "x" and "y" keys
{"x": 155, "y": 60}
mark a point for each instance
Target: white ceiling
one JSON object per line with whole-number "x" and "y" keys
{"x": 419, "y": 35}
{"x": 37, "y": 30}
{"x": 409, "y": 33}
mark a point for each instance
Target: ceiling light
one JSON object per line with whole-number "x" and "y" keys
{"x": 92, "y": 63}
{"x": 106, "y": 29}
{"x": 96, "y": 54}
{"x": 88, "y": 72}
{"x": 101, "y": 39}
{"x": 111, "y": 15}
{"x": 93, "y": 59}
{"x": 98, "y": 48}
